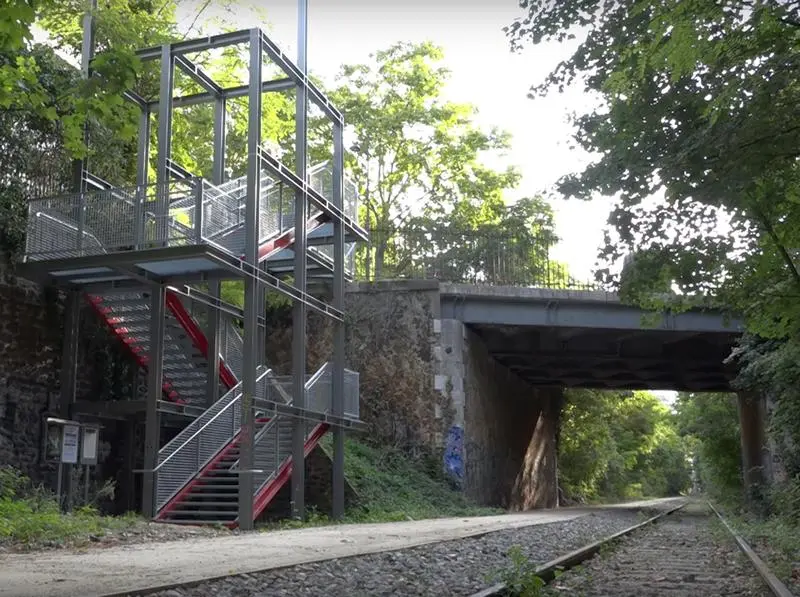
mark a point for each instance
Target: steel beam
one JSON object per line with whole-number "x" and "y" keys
{"x": 515, "y": 311}
{"x": 155, "y": 375}
{"x": 338, "y": 329}
{"x": 214, "y": 341}
{"x": 182, "y": 101}
{"x": 272, "y": 407}
{"x": 299, "y": 313}
{"x": 299, "y": 72}
{"x": 251, "y": 288}
{"x": 200, "y": 76}
{"x": 280, "y": 171}
{"x": 197, "y": 45}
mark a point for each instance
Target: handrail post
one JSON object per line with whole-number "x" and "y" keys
{"x": 198, "y": 210}
{"x": 81, "y": 221}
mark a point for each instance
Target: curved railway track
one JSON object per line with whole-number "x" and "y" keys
{"x": 675, "y": 553}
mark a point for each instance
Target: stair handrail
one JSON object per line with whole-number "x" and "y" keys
{"x": 308, "y": 385}
{"x": 185, "y": 473}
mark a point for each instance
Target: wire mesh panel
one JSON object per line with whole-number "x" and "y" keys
{"x": 232, "y": 346}
{"x": 112, "y": 220}
{"x": 186, "y": 454}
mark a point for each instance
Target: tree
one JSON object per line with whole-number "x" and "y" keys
{"x": 712, "y": 422}
{"x": 418, "y": 155}
{"x": 509, "y": 244}
{"x": 619, "y": 444}
{"x": 699, "y": 102}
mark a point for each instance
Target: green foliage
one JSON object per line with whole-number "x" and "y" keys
{"x": 520, "y": 576}
{"x": 619, "y": 445}
{"x": 30, "y": 516}
{"x": 698, "y": 103}
{"x": 392, "y": 486}
{"x": 711, "y": 424}
{"x": 420, "y": 157}
{"x": 773, "y": 368}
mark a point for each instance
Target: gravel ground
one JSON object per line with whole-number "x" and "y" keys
{"x": 680, "y": 556}
{"x": 459, "y": 567}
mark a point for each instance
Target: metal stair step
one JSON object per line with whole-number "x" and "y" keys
{"x": 204, "y": 503}
{"x": 183, "y": 514}
{"x": 197, "y": 522}
{"x": 214, "y": 494}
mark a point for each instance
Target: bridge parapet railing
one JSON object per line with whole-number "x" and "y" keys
{"x": 474, "y": 255}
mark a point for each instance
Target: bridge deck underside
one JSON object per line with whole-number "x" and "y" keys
{"x": 612, "y": 359}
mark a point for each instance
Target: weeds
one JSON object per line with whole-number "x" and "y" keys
{"x": 30, "y": 516}
{"x": 520, "y": 576}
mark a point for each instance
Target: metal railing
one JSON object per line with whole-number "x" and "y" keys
{"x": 189, "y": 451}
{"x": 190, "y": 211}
{"x": 272, "y": 446}
{"x": 483, "y": 256}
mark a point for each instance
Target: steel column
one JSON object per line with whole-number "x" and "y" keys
{"x": 87, "y": 53}
{"x": 300, "y": 313}
{"x": 69, "y": 373}
{"x": 142, "y": 162}
{"x": 251, "y": 286}
{"x": 214, "y": 341}
{"x": 164, "y": 140}
{"x": 218, "y": 168}
{"x": 155, "y": 379}
{"x": 338, "y": 326}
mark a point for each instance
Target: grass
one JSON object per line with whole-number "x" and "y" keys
{"x": 777, "y": 541}
{"x": 30, "y": 517}
{"x": 392, "y": 487}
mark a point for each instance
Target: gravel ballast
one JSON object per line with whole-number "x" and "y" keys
{"x": 679, "y": 556}
{"x": 459, "y": 567}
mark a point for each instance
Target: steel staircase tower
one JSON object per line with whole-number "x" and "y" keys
{"x": 146, "y": 257}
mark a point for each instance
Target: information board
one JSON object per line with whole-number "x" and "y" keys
{"x": 69, "y": 444}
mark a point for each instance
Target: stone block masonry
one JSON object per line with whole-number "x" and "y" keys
{"x": 31, "y": 344}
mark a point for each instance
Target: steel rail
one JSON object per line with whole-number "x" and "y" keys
{"x": 547, "y": 571}
{"x": 773, "y": 582}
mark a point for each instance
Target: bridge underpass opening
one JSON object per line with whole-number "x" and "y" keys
{"x": 511, "y": 388}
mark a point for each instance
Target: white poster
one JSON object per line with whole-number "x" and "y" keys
{"x": 89, "y": 446}
{"x": 69, "y": 444}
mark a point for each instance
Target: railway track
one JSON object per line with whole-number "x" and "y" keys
{"x": 680, "y": 552}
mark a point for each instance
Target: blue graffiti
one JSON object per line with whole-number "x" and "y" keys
{"x": 454, "y": 455}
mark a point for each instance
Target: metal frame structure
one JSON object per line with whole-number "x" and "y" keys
{"x": 147, "y": 255}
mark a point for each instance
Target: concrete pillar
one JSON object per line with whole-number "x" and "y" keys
{"x": 752, "y": 422}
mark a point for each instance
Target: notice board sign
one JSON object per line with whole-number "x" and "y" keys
{"x": 70, "y": 439}
{"x": 89, "y": 443}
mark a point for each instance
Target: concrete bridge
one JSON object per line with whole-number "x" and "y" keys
{"x": 501, "y": 357}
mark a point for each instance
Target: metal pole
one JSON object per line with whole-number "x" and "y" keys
{"x": 87, "y": 53}
{"x": 218, "y": 167}
{"x": 155, "y": 375}
{"x": 251, "y": 286}
{"x": 299, "y": 312}
{"x": 142, "y": 162}
{"x": 164, "y": 141}
{"x": 69, "y": 369}
{"x": 214, "y": 341}
{"x": 337, "y": 405}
